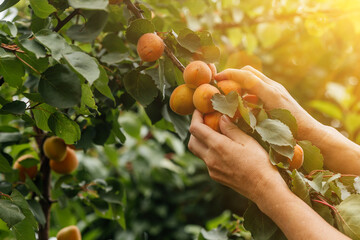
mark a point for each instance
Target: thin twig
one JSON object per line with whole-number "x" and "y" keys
{"x": 62, "y": 23}
{"x": 168, "y": 52}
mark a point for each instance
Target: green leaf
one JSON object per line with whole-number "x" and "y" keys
{"x": 64, "y": 127}
{"x": 226, "y": 104}
{"x": 313, "y": 159}
{"x": 35, "y": 97}
{"x": 246, "y": 114}
{"x": 7, "y": 4}
{"x": 23, "y": 231}
{"x": 42, "y": 114}
{"x": 15, "y": 107}
{"x": 299, "y": 187}
{"x": 349, "y": 218}
{"x": 38, "y": 24}
{"x": 181, "y": 123}
{"x": 101, "y": 84}
{"x": 87, "y": 97}
{"x": 60, "y": 87}
{"x": 269, "y": 33}
{"x": 138, "y": 28}
{"x": 4, "y": 165}
{"x": 37, "y": 65}
{"x": 286, "y": 117}
{"x": 54, "y": 42}
{"x": 33, "y": 47}
{"x": 84, "y": 65}
{"x": 327, "y": 108}
{"x": 141, "y": 87}
{"x": 13, "y": 71}
{"x": 9, "y": 28}
{"x": 131, "y": 124}
{"x": 29, "y": 162}
{"x": 286, "y": 151}
{"x": 95, "y": 23}
{"x": 113, "y": 43}
{"x": 36, "y": 209}
{"x": 260, "y": 225}
{"x": 219, "y": 233}
{"x": 42, "y": 8}
{"x": 275, "y": 132}
{"x": 189, "y": 40}
{"x": 115, "y": 57}
{"x": 10, "y": 213}
{"x": 89, "y": 4}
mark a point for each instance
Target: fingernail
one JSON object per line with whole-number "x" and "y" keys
{"x": 225, "y": 118}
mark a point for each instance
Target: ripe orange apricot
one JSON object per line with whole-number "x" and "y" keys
{"x": 150, "y": 47}
{"x": 213, "y": 70}
{"x": 55, "y": 148}
{"x": 197, "y": 73}
{"x": 202, "y": 98}
{"x": 66, "y": 166}
{"x": 181, "y": 100}
{"x": 251, "y": 98}
{"x": 70, "y": 232}
{"x": 228, "y": 85}
{"x": 212, "y": 120}
{"x": 23, "y": 171}
{"x": 298, "y": 158}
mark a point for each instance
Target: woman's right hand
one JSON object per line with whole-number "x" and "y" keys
{"x": 272, "y": 94}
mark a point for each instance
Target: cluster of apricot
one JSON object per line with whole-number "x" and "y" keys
{"x": 198, "y": 90}
{"x": 63, "y": 159}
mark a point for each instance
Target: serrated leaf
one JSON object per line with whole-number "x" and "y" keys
{"x": 313, "y": 159}
{"x": 54, "y": 42}
{"x": 64, "y": 127}
{"x": 10, "y": 213}
{"x": 84, "y": 65}
{"x": 7, "y": 4}
{"x": 60, "y": 87}
{"x": 189, "y": 40}
{"x": 246, "y": 114}
{"x": 42, "y": 114}
{"x": 137, "y": 28}
{"x": 13, "y": 71}
{"x": 15, "y": 107}
{"x": 299, "y": 187}
{"x": 286, "y": 117}
{"x": 349, "y": 218}
{"x": 42, "y": 8}
{"x": 226, "y": 104}
{"x": 95, "y": 23}
{"x": 89, "y": 4}
{"x": 286, "y": 151}
{"x": 275, "y": 132}
{"x": 141, "y": 87}
{"x": 260, "y": 225}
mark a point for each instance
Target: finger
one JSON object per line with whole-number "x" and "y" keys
{"x": 197, "y": 117}
{"x": 197, "y": 147}
{"x": 260, "y": 75}
{"x": 230, "y": 130}
{"x": 248, "y": 81}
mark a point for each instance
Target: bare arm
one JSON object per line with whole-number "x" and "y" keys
{"x": 274, "y": 95}
{"x": 234, "y": 158}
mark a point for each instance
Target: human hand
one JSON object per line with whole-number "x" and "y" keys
{"x": 234, "y": 158}
{"x": 272, "y": 94}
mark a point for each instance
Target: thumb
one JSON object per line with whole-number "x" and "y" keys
{"x": 230, "y": 130}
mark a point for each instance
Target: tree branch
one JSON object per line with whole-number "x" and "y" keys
{"x": 168, "y": 52}
{"x": 62, "y": 23}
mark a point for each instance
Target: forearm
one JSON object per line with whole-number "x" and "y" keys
{"x": 295, "y": 218}
{"x": 340, "y": 154}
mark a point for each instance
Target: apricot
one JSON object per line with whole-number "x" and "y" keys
{"x": 227, "y": 86}
{"x": 181, "y": 100}
{"x": 298, "y": 159}
{"x": 197, "y": 73}
{"x": 150, "y": 47}
{"x": 55, "y": 148}
{"x": 213, "y": 70}
{"x": 66, "y": 166}
{"x": 23, "y": 171}
{"x": 251, "y": 98}
{"x": 202, "y": 98}
{"x": 212, "y": 120}
{"x": 69, "y": 233}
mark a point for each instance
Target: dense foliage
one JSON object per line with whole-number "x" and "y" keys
{"x": 70, "y": 68}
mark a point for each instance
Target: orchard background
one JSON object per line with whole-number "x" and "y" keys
{"x": 70, "y": 69}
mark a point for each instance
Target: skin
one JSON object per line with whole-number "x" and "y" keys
{"x": 234, "y": 158}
